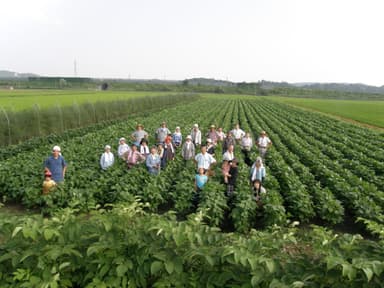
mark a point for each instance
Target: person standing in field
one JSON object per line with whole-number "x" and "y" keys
{"x": 229, "y": 154}
{"x": 232, "y": 177}
{"x": 200, "y": 180}
{"x": 56, "y": 165}
{"x": 162, "y": 132}
{"x": 123, "y": 147}
{"x": 144, "y": 149}
{"x": 263, "y": 143}
{"x": 238, "y": 133}
{"x": 220, "y": 135}
{"x": 107, "y": 159}
{"x": 169, "y": 150}
{"x": 246, "y": 146}
{"x": 204, "y": 160}
{"x": 212, "y": 134}
{"x": 229, "y": 140}
{"x": 196, "y": 135}
{"x": 258, "y": 190}
{"x": 133, "y": 157}
{"x": 153, "y": 162}
{"x": 177, "y": 138}
{"x": 139, "y": 134}
{"x": 258, "y": 170}
{"x": 188, "y": 149}
{"x": 48, "y": 183}
{"x": 210, "y": 147}
{"x": 225, "y": 170}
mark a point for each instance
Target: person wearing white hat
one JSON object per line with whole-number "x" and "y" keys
{"x": 196, "y": 135}
{"x": 188, "y": 149}
{"x": 177, "y": 138}
{"x": 263, "y": 143}
{"x": 123, "y": 148}
{"x": 210, "y": 147}
{"x": 56, "y": 165}
{"x": 107, "y": 159}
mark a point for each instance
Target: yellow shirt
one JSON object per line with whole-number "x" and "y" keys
{"x": 47, "y": 186}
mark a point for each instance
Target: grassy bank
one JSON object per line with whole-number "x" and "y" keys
{"x": 369, "y": 112}
{"x": 17, "y": 100}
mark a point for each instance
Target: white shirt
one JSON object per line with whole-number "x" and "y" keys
{"x": 246, "y": 142}
{"x": 106, "y": 160}
{"x": 196, "y": 136}
{"x": 204, "y": 160}
{"x": 238, "y": 133}
{"x": 228, "y": 156}
{"x": 264, "y": 141}
{"x": 122, "y": 149}
{"x": 144, "y": 150}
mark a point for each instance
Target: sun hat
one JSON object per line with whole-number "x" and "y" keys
{"x": 189, "y": 137}
{"x": 107, "y": 147}
{"x": 196, "y": 125}
{"x": 209, "y": 140}
{"x": 122, "y": 139}
{"x": 263, "y": 132}
{"x": 56, "y": 148}
{"x": 139, "y": 125}
{"x": 212, "y": 126}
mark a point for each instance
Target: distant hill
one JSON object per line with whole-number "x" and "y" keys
{"x": 15, "y": 75}
{"x": 341, "y": 87}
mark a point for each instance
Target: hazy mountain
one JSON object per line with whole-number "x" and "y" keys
{"x": 11, "y": 75}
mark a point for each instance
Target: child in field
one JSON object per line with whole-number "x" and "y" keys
{"x": 48, "y": 183}
{"x": 258, "y": 190}
{"x": 107, "y": 159}
{"x": 200, "y": 180}
{"x": 144, "y": 149}
{"x": 225, "y": 170}
{"x": 233, "y": 172}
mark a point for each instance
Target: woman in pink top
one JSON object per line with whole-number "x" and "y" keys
{"x": 133, "y": 157}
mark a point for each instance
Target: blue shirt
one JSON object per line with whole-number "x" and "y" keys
{"x": 56, "y": 167}
{"x": 201, "y": 180}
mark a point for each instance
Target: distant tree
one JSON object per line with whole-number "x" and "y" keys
{"x": 185, "y": 82}
{"x": 104, "y": 86}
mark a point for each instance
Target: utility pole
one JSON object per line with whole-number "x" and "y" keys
{"x": 75, "y": 68}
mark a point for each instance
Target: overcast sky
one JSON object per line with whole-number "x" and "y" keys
{"x": 243, "y": 40}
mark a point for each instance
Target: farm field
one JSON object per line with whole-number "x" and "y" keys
{"x": 369, "y": 112}
{"x": 17, "y": 100}
{"x": 120, "y": 228}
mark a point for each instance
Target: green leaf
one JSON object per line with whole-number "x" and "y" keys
{"x": 48, "y": 234}
{"x": 169, "y": 266}
{"x": 349, "y": 271}
{"x": 63, "y": 265}
{"x": 271, "y": 266}
{"x": 156, "y": 266}
{"x": 121, "y": 270}
{"x": 16, "y": 230}
{"x": 368, "y": 272}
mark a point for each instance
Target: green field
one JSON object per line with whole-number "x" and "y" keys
{"x": 369, "y": 112}
{"x": 25, "y": 99}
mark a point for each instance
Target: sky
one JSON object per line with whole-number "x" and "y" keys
{"x": 243, "y": 40}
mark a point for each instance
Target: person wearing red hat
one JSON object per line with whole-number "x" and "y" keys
{"x": 48, "y": 183}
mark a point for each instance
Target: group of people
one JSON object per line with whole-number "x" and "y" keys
{"x": 168, "y": 144}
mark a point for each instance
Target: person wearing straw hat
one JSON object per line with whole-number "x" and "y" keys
{"x": 139, "y": 134}
{"x": 56, "y": 165}
{"x": 263, "y": 143}
{"x": 188, "y": 149}
{"x": 196, "y": 135}
{"x": 107, "y": 159}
